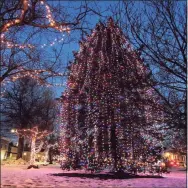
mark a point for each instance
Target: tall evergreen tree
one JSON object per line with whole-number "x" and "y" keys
{"x": 108, "y": 106}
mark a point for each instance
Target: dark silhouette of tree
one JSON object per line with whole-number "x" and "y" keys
{"x": 27, "y": 104}
{"x": 158, "y": 30}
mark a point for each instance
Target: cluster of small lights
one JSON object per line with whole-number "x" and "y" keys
{"x": 34, "y": 74}
{"x": 54, "y": 42}
{"x": 7, "y": 44}
{"x": 52, "y": 22}
{"x": 24, "y": 73}
{"x": 3, "y": 89}
{"x": 12, "y": 23}
{"x": 32, "y": 134}
{"x": 107, "y": 96}
{"x": 17, "y": 21}
{"x": 60, "y": 85}
{"x": 29, "y": 132}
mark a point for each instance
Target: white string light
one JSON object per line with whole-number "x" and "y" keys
{"x": 108, "y": 80}
{"x": 52, "y": 24}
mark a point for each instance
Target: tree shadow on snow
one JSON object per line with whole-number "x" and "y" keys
{"x": 182, "y": 170}
{"x": 105, "y": 176}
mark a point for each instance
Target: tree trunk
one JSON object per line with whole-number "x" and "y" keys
{"x": 132, "y": 147}
{"x": 20, "y": 147}
{"x": 46, "y": 155}
{"x": 50, "y": 156}
{"x": 32, "y": 159}
{"x": 114, "y": 147}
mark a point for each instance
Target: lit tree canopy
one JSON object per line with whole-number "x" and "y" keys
{"x": 108, "y": 105}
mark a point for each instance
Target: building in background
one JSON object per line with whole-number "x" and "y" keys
{"x": 176, "y": 158}
{"x": 4, "y": 147}
{"x": 13, "y": 152}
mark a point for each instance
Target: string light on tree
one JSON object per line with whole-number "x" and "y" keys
{"x": 109, "y": 81}
{"x": 19, "y": 19}
{"x": 54, "y": 42}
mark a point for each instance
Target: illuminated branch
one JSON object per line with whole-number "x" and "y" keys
{"x": 33, "y": 134}
{"x": 25, "y": 4}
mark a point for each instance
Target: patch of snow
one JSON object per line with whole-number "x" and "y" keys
{"x": 19, "y": 161}
{"x": 52, "y": 176}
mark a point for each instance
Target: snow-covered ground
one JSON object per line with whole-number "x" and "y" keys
{"x": 52, "y": 176}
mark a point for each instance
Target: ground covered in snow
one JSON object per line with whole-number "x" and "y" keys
{"x": 14, "y": 176}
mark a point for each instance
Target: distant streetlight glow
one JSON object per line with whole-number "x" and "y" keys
{"x": 13, "y": 131}
{"x": 167, "y": 154}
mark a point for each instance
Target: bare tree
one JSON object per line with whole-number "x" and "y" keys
{"x": 157, "y": 29}
{"x": 24, "y": 26}
{"x": 27, "y": 104}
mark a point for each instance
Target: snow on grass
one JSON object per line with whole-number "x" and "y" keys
{"x": 52, "y": 176}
